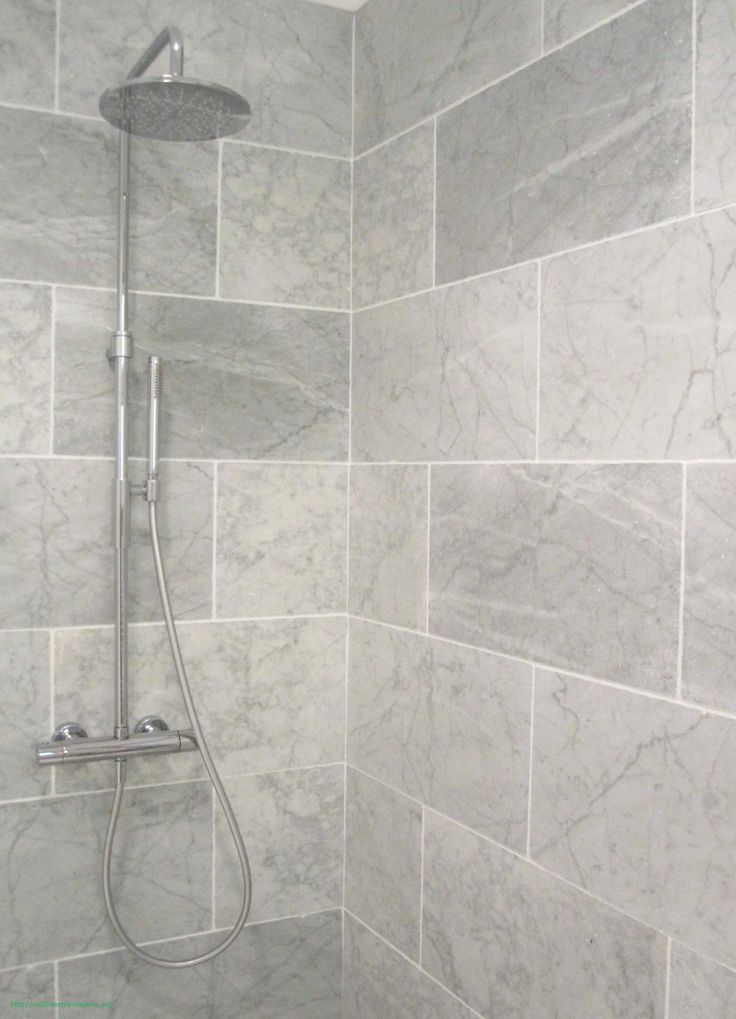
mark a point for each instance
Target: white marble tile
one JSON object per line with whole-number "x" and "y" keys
{"x": 383, "y": 860}
{"x": 388, "y": 543}
{"x": 639, "y": 348}
{"x": 448, "y": 375}
{"x": 590, "y": 141}
{"x": 515, "y": 942}
{"x": 25, "y": 368}
{"x": 292, "y": 824}
{"x": 30, "y": 983}
{"x": 281, "y": 537}
{"x": 715, "y": 104}
{"x": 446, "y": 724}
{"x": 291, "y": 60}
{"x": 25, "y": 712}
{"x": 28, "y": 52}
{"x": 413, "y": 57}
{"x": 284, "y": 227}
{"x": 564, "y": 19}
{"x": 240, "y": 381}
{"x": 393, "y": 217}
{"x": 379, "y": 982}
{"x": 699, "y": 988}
{"x": 52, "y": 848}
{"x": 575, "y": 566}
{"x": 632, "y": 798}
{"x": 273, "y": 970}
{"x": 709, "y": 642}
{"x": 58, "y": 206}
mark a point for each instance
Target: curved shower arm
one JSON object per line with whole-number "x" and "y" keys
{"x": 171, "y": 37}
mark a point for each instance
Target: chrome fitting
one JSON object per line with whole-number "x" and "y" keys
{"x": 121, "y": 345}
{"x": 150, "y": 489}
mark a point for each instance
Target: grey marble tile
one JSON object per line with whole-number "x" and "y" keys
{"x": 590, "y": 141}
{"x": 58, "y": 205}
{"x": 25, "y": 712}
{"x": 241, "y": 381}
{"x": 413, "y": 57}
{"x": 281, "y": 537}
{"x": 632, "y": 798}
{"x": 700, "y": 988}
{"x": 25, "y": 368}
{"x": 378, "y": 982}
{"x": 515, "y": 942}
{"x": 574, "y": 566}
{"x": 637, "y": 346}
{"x": 52, "y": 849}
{"x": 30, "y": 983}
{"x": 709, "y": 643}
{"x": 291, "y": 60}
{"x": 445, "y": 724}
{"x": 28, "y": 51}
{"x": 564, "y": 19}
{"x": 284, "y": 227}
{"x": 58, "y": 560}
{"x": 292, "y": 823}
{"x": 393, "y": 218}
{"x": 383, "y": 860}
{"x": 448, "y": 375}
{"x": 715, "y": 104}
{"x": 388, "y": 543}
{"x": 273, "y": 970}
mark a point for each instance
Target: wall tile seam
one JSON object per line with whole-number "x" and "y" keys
{"x": 180, "y": 623}
{"x": 693, "y": 99}
{"x": 213, "y": 860}
{"x": 530, "y": 764}
{"x": 57, "y": 53}
{"x": 442, "y": 110}
{"x": 225, "y": 775}
{"x": 700, "y": 708}
{"x": 218, "y": 217}
{"x": 532, "y": 862}
{"x": 207, "y": 461}
{"x": 61, "y": 960}
{"x": 683, "y": 585}
{"x": 552, "y": 255}
{"x": 541, "y": 28}
{"x": 52, "y": 701}
{"x": 667, "y": 978}
{"x": 215, "y": 515}
{"x": 428, "y": 542}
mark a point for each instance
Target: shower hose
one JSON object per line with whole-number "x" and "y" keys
{"x": 211, "y": 771}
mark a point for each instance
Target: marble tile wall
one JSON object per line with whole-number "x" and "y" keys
{"x": 240, "y": 275}
{"x": 552, "y": 339}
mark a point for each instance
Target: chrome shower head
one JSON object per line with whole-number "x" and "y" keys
{"x": 174, "y": 108}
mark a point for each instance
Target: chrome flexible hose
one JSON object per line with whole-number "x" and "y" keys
{"x": 211, "y": 771}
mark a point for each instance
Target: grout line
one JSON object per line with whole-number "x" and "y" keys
{"x": 694, "y": 89}
{"x": 548, "y": 667}
{"x": 57, "y": 55}
{"x": 541, "y": 29}
{"x": 80, "y": 627}
{"x": 429, "y": 532}
{"x": 52, "y": 699}
{"x": 434, "y": 207}
{"x": 215, "y": 493}
{"x": 52, "y": 370}
{"x": 218, "y": 221}
{"x": 681, "y": 609}
{"x": 213, "y": 901}
{"x": 313, "y": 153}
{"x": 421, "y": 887}
{"x": 539, "y": 359}
{"x": 531, "y": 765}
{"x": 667, "y": 979}
{"x": 57, "y": 993}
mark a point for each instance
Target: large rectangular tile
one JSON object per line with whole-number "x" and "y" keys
{"x": 590, "y": 141}
{"x": 564, "y": 19}
{"x": 28, "y": 48}
{"x": 25, "y": 711}
{"x": 632, "y": 798}
{"x": 700, "y": 988}
{"x": 58, "y": 205}
{"x": 413, "y": 57}
{"x": 284, "y": 227}
{"x": 291, "y": 60}
{"x": 448, "y": 375}
{"x": 393, "y": 218}
{"x": 55, "y": 525}
{"x": 25, "y": 368}
{"x": 388, "y": 543}
{"x": 273, "y": 970}
{"x": 575, "y": 566}
{"x": 446, "y": 724}
{"x": 30, "y": 983}
{"x": 715, "y": 104}
{"x": 292, "y": 823}
{"x": 240, "y": 381}
{"x": 378, "y": 982}
{"x": 281, "y": 537}
{"x": 383, "y": 860}
{"x": 515, "y": 942}
{"x": 52, "y": 849}
{"x": 637, "y": 346}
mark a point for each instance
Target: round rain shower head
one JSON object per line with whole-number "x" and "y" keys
{"x": 174, "y": 109}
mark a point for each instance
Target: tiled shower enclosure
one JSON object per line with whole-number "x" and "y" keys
{"x": 449, "y": 507}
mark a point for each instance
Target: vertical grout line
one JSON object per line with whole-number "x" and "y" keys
{"x": 434, "y": 207}
{"x": 541, "y": 30}
{"x": 57, "y": 55}
{"x": 220, "y": 149}
{"x": 693, "y": 88}
{"x": 681, "y": 613}
{"x": 421, "y": 890}
{"x": 52, "y": 369}
{"x": 531, "y": 766}
{"x": 213, "y": 898}
{"x": 667, "y": 978}
{"x": 429, "y": 520}
{"x": 215, "y": 488}
{"x": 539, "y": 359}
{"x": 52, "y": 697}
{"x": 56, "y": 988}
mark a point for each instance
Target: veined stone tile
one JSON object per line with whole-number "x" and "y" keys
{"x": 29, "y": 983}
{"x": 25, "y": 712}
{"x": 25, "y": 368}
{"x": 700, "y": 988}
{"x": 28, "y": 47}
{"x": 564, "y": 19}
{"x": 715, "y": 104}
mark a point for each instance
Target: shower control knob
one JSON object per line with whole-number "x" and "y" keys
{"x": 69, "y": 730}
{"x": 151, "y": 723}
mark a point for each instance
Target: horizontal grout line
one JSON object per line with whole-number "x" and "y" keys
{"x": 184, "y": 622}
{"x": 314, "y": 153}
{"x": 547, "y": 667}
{"x": 141, "y": 460}
{"x": 679, "y": 462}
